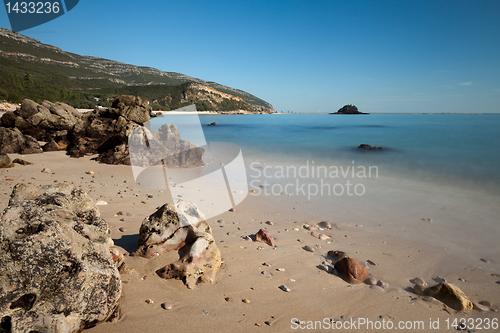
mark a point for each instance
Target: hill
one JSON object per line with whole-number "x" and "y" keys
{"x": 30, "y": 69}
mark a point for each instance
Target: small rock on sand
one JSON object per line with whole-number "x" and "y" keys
{"x": 371, "y": 281}
{"x": 166, "y": 306}
{"x": 337, "y": 255}
{"x": 101, "y": 203}
{"x": 284, "y": 288}
{"x": 245, "y": 300}
{"x": 280, "y": 269}
{"x": 90, "y": 172}
{"x": 46, "y": 170}
{"x": 480, "y": 307}
{"x": 383, "y": 284}
{"x": 308, "y": 248}
{"x": 325, "y": 225}
{"x": 266, "y": 274}
{"x": 486, "y": 303}
{"x": 122, "y": 229}
{"x": 149, "y": 301}
{"x": 419, "y": 281}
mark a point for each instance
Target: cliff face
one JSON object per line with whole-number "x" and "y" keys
{"x": 85, "y": 76}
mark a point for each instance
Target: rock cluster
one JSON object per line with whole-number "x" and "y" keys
{"x": 185, "y": 229}
{"x": 104, "y": 132}
{"x": 56, "y": 269}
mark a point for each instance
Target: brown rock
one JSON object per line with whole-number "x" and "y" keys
{"x": 265, "y": 237}
{"x": 337, "y": 255}
{"x": 21, "y": 162}
{"x": 447, "y": 293}
{"x": 5, "y": 162}
{"x": 351, "y": 270}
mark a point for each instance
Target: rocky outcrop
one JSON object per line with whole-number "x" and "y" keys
{"x": 42, "y": 121}
{"x": 351, "y": 270}
{"x": 447, "y": 293}
{"x": 12, "y": 141}
{"x": 185, "y": 229}
{"x": 56, "y": 269}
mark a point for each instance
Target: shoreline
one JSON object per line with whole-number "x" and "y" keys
{"x": 393, "y": 236}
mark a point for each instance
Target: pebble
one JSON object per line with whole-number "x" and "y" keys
{"x": 382, "y": 284}
{"x": 122, "y": 229}
{"x": 480, "y": 307}
{"x": 325, "y": 224}
{"x": 377, "y": 288}
{"x": 205, "y": 312}
{"x": 280, "y": 269}
{"x": 486, "y": 303}
{"x": 292, "y": 280}
{"x": 220, "y": 221}
{"x": 269, "y": 222}
{"x": 284, "y": 288}
{"x": 326, "y": 268}
{"x": 371, "y": 262}
{"x": 150, "y": 196}
{"x": 371, "y": 281}
{"x": 245, "y": 300}
{"x": 266, "y": 274}
{"x": 344, "y": 318}
{"x": 101, "y": 203}
{"x": 129, "y": 214}
{"x": 228, "y": 299}
{"x": 166, "y": 306}
{"x": 311, "y": 228}
{"x": 260, "y": 248}
{"x": 419, "y": 281}
{"x": 429, "y": 299}
{"x": 46, "y": 170}
{"x": 90, "y": 172}
{"x": 485, "y": 260}
{"x": 149, "y": 301}
{"x": 427, "y": 219}
{"x": 119, "y": 213}
{"x": 495, "y": 275}
{"x": 439, "y": 279}
{"x": 232, "y": 210}
{"x": 308, "y": 248}
{"x": 266, "y": 264}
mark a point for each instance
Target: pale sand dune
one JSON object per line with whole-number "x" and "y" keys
{"x": 392, "y": 235}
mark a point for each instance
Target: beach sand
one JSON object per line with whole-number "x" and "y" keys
{"x": 385, "y": 226}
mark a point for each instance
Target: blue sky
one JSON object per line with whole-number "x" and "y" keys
{"x": 304, "y": 56}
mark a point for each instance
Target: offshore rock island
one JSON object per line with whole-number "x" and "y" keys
{"x": 348, "y": 109}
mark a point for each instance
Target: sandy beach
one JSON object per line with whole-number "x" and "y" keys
{"x": 385, "y": 227}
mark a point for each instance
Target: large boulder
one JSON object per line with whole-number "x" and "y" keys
{"x": 13, "y": 141}
{"x": 56, "y": 270}
{"x": 185, "y": 229}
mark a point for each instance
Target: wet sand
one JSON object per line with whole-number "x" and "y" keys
{"x": 385, "y": 226}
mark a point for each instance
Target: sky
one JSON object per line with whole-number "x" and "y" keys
{"x": 304, "y": 56}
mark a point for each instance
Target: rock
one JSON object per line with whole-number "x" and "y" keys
{"x": 264, "y": 236}
{"x": 325, "y": 225}
{"x": 57, "y": 273}
{"x": 368, "y": 147}
{"x": 351, "y": 270}
{"x": 320, "y": 236}
{"x": 419, "y": 281}
{"x": 212, "y": 124}
{"x": 371, "y": 262}
{"x": 280, "y": 269}
{"x": 149, "y": 301}
{"x": 383, "y": 284}
{"x": 21, "y": 162}
{"x": 377, "y": 287}
{"x": 337, "y": 255}
{"x": 245, "y": 300}
{"x": 447, "y": 293}
{"x": 308, "y": 248}
{"x": 266, "y": 274}
{"x": 348, "y": 109}
{"x": 269, "y": 223}
{"x": 166, "y": 306}
{"x": 486, "y": 303}
{"x": 101, "y": 203}
{"x": 13, "y": 141}
{"x": 284, "y": 288}
{"x": 371, "y": 281}
{"x": 480, "y": 307}
{"x": 51, "y": 146}
{"x": 311, "y": 227}
{"x": 185, "y": 229}
{"x": 132, "y": 108}
{"x": 326, "y": 268}
{"x": 439, "y": 279}
{"x": 46, "y": 170}
{"x": 5, "y": 161}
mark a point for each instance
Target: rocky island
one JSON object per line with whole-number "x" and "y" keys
{"x": 348, "y": 109}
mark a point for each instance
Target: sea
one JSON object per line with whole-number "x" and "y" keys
{"x": 454, "y": 149}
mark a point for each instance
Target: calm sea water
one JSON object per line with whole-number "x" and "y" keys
{"x": 449, "y": 148}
